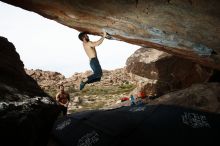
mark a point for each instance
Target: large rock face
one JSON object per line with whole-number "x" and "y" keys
{"x": 186, "y": 28}
{"x": 26, "y": 112}
{"x": 165, "y": 72}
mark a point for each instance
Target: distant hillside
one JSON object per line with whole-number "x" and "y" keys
{"x": 114, "y": 85}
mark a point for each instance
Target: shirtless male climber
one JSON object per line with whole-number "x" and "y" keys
{"x": 90, "y": 50}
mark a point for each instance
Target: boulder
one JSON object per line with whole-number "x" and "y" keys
{"x": 165, "y": 72}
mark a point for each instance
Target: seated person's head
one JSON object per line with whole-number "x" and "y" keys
{"x": 61, "y": 87}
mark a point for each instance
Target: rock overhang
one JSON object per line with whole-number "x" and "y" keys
{"x": 185, "y": 28}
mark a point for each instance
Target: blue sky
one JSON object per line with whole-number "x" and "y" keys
{"x": 47, "y": 45}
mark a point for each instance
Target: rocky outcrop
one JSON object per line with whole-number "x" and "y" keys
{"x": 45, "y": 79}
{"x": 199, "y": 96}
{"x": 185, "y": 28}
{"x": 51, "y": 80}
{"x": 26, "y": 112}
{"x": 165, "y": 72}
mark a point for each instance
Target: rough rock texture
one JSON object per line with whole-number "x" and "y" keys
{"x": 165, "y": 72}
{"x": 200, "y": 96}
{"x": 26, "y": 112}
{"x": 187, "y": 28}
